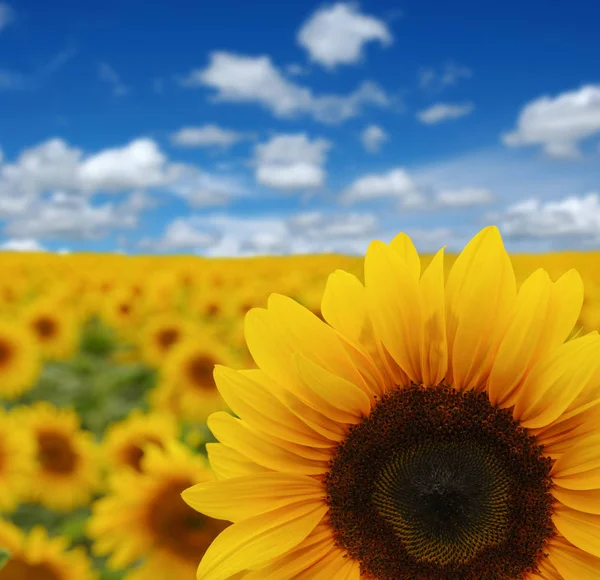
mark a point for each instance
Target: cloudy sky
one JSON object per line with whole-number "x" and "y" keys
{"x": 235, "y": 128}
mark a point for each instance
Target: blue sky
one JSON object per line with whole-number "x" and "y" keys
{"x": 234, "y": 128}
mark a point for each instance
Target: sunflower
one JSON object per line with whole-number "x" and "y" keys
{"x": 19, "y": 360}
{"x": 36, "y": 556}
{"x": 16, "y": 460}
{"x": 465, "y": 445}
{"x": 67, "y": 471}
{"x": 186, "y": 385}
{"x": 55, "y": 329}
{"x": 145, "y": 517}
{"x": 161, "y": 333}
{"x": 124, "y": 441}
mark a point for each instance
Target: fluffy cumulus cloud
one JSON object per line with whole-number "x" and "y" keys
{"x": 249, "y": 79}
{"x": 444, "y": 112}
{"x": 573, "y": 216}
{"x": 373, "y": 137}
{"x": 465, "y": 197}
{"x": 558, "y": 124}
{"x": 290, "y": 162}
{"x": 207, "y": 136}
{"x": 337, "y": 34}
{"x": 64, "y": 216}
{"x": 22, "y": 245}
{"x": 303, "y": 233}
{"x": 395, "y": 184}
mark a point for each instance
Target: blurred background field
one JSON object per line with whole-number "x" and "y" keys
{"x": 106, "y": 383}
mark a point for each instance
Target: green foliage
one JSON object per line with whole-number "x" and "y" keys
{"x": 4, "y": 557}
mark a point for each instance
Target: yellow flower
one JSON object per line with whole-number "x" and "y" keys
{"x": 161, "y": 334}
{"x": 67, "y": 470}
{"x": 54, "y": 328}
{"x": 145, "y": 517}
{"x": 16, "y": 460}
{"x": 124, "y": 442}
{"x": 465, "y": 445}
{"x": 19, "y": 360}
{"x": 186, "y": 386}
{"x": 35, "y": 556}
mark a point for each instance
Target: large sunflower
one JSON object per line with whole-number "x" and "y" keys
{"x": 429, "y": 431}
{"x": 36, "y": 556}
{"x": 145, "y": 517}
{"x": 16, "y": 460}
{"x": 67, "y": 470}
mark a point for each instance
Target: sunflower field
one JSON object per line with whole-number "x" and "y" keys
{"x": 106, "y": 386}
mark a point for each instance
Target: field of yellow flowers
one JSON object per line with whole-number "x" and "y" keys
{"x": 106, "y": 382}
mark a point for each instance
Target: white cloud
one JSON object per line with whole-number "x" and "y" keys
{"x": 444, "y": 112}
{"x": 139, "y": 164}
{"x": 395, "y": 184}
{"x": 558, "y": 124}
{"x": 465, "y": 197}
{"x": 239, "y": 78}
{"x": 305, "y": 233}
{"x": 110, "y": 76}
{"x": 201, "y": 189}
{"x": 206, "y": 136}
{"x": 576, "y": 216}
{"x": 291, "y": 162}
{"x": 65, "y": 216}
{"x": 337, "y": 34}
{"x": 448, "y": 75}
{"x": 7, "y": 15}
{"x": 22, "y": 245}
{"x": 373, "y": 137}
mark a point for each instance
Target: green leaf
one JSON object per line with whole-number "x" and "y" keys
{"x": 4, "y": 557}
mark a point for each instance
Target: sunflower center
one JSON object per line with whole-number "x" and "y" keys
{"x": 200, "y": 371}
{"x": 134, "y": 453}
{"x": 180, "y": 528}
{"x": 55, "y": 453}
{"x": 45, "y": 327}
{"x": 439, "y": 484}
{"x": 19, "y": 570}
{"x": 6, "y": 352}
{"x": 168, "y": 337}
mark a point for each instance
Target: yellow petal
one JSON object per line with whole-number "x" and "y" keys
{"x": 336, "y": 391}
{"x": 258, "y": 540}
{"x": 581, "y": 462}
{"x": 556, "y": 381}
{"x": 571, "y": 562}
{"x": 434, "y": 350}
{"x": 253, "y": 402}
{"x": 480, "y": 298}
{"x": 226, "y": 462}
{"x": 581, "y": 529}
{"x": 335, "y": 564}
{"x": 587, "y": 500}
{"x": 394, "y": 305}
{"x": 259, "y": 448}
{"x": 519, "y": 344}
{"x": 343, "y": 304}
{"x": 248, "y": 496}
{"x": 405, "y": 248}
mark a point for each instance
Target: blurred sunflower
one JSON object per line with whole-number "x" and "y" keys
{"x": 16, "y": 460}
{"x": 19, "y": 359}
{"x": 67, "y": 470}
{"x": 163, "y": 332}
{"x": 55, "y": 329}
{"x": 36, "y": 556}
{"x": 145, "y": 517}
{"x": 123, "y": 312}
{"x": 208, "y": 304}
{"x": 186, "y": 385}
{"x": 470, "y": 449}
{"x": 124, "y": 442}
